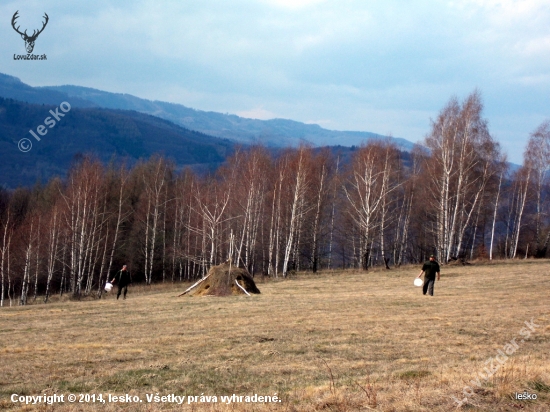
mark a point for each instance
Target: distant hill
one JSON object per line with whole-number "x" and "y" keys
{"x": 13, "y": 88}
{"x": 275, "y": 132}
{"x": 108, "y": 134}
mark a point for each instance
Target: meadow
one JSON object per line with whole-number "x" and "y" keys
{"x": 334, "y": 341}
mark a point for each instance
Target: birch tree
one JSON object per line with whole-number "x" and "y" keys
{"x": 210, "y": 206}
{"x": 323, "y": 169}
{"x": 518, "y": 200}
{"x": 83, "y": 202}
{"x": 503, "y": 168}
{"x": 367, "y": 187}
{"x": 462, "y": 154}
{"x": 537, "y": 158}
{"x": 116, "y": 187}
{"x": 249, "y": 170}
{"x": 155, "y": 178}
{"x": 7, "y": 235}
{"x": 298, "y": 186}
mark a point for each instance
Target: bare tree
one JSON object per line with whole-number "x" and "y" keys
{"x": 503, "y": 168}
{"x": 116, "y": 186}
{"x": 29, "y": 244}
{"x": 249, "y": 171}
{"x": 298, "y": 186}
{"x": 53, "y": 247}
{"x": 323, "y": 167}
{"x": 83, "y": 219}
{"x": 211, "y": 199}
{"x": 155, "y": 178}
{"x": 520, "y": 191}
{"x": 537, "y": 158}
{"x": 7, "y": 234}
{"x": 369, "y": 183}
{"x": 459, "y": 166}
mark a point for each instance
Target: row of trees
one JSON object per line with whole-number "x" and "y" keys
{"x": 301, "y": 209}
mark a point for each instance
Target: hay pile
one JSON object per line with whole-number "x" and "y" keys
{"x": 222, "y": 280}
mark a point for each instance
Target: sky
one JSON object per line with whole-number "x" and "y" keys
{"x": 383, "y": 66}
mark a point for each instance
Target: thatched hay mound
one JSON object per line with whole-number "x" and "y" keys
{"x": 222, "y": 280}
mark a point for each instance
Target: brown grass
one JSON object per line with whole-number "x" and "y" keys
{"x": 339, "y": 341}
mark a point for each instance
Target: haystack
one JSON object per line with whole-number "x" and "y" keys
{"x": 224, "y": 280}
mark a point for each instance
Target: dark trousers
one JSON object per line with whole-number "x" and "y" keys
{"x": 428, "y": 286}
{"x": 120, "y": 287}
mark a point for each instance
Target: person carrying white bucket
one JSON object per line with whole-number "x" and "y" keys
{"x": 431, "y": 269}
{"x": 122, "y": 279}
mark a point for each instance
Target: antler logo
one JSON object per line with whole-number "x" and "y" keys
{"x": 29, "y": 40}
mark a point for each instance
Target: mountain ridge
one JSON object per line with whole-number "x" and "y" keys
{"x": 273, "y": 132}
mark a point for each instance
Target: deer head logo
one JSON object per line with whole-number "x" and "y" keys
{"x": 29, "y": 40}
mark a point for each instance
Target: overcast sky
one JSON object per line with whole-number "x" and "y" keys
{"x": 384, "y": 66}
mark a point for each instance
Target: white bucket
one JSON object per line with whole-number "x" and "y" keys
{"x": 108, "y": 287}
{"x": 418, "y": 282}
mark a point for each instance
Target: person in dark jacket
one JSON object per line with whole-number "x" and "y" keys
{"x": 122, "y": 279}
{"x": 431, "y": 269}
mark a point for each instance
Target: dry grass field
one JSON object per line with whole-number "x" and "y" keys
{"x": 341, "y": 341}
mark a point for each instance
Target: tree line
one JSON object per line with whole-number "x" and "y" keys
{"x": 299, "y": 209}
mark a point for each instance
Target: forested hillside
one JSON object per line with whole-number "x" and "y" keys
{"x": 302, "y": 209}
{"x": 110, "y": 135}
